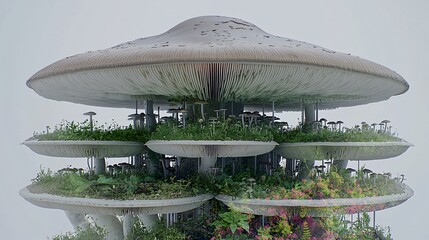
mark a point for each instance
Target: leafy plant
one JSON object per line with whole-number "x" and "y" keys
{"x": 328, "y": 185}
{"x": 83, "y": 131}
{"x": 199, "y": 227}
{"x": 222, "y": 130}
{"x": 233, "y": 221}
{"x": 157, "y": 232}
{"x": 91, "y": 232}
{"x": 122, "y": 186}
{"x": 300, "y": 134}
{"x": 306, "y": 234}
{"x": 286, "y": 227}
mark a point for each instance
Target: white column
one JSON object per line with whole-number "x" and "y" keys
{"x": 127, "y": 224}
{"x": 112, "y": 225}
{"x": 148, "y": 220}
{"x": 206, "y": 164}
{"x": 78, "y": 220}
{"x": 307, "y": 164}
{"x": 340, "y": 164}
{"x": 150, "y": 118}
{"x": 310, "y": 113}
{"x": 100, "y": 166}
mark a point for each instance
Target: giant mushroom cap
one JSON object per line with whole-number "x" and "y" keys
{"x": 222, "y": 59}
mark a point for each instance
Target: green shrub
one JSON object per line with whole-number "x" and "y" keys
{"x": 82, "y": 131}
{"x": 89, "y": 233}
{"x": 157, "y": 232}
{"x": 223, "y": 131}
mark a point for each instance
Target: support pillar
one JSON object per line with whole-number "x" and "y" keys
{"x": 289, "y": 166}
{"x": 307, "y": 164}
{"x": 340, "y": 164}
{"x": 206, "y": 163}
{"x": 78, "y": 220}
{"x": 310, "y": 113}
{"x": 100, "y": 166}
{"x": 305, "y": 167}
{"x": 150, "y": 117}
{"x": 317, "y": 110}
{"x": 127, "y": 224}
{"x": 148, "y": 220}
{"x": 112, "y": 225}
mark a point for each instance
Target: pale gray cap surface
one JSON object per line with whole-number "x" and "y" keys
{"x": 217, "y": 58}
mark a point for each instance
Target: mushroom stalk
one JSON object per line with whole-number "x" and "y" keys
{"x": 90, "y": 114}
{"x": 309, "y": 113}
{"x": 90, "y": 123}
{"x": 272, "y": 123}
{"x": 100, "y": 166}
{"x": 202, "y": 111}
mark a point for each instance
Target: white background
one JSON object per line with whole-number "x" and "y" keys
{"x": 34, "y": 34}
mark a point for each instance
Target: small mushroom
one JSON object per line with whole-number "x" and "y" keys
{"x": 183, "y": 112}
{"x": 134, "y": 117}
{"x": 217, "y": 111}
{"x": 317, "y": 124}
{"x": 213, "y": 120}
{"x": 402, "y": 178}
{"x": 385, "y": 122}
{"x": 90, "y": 114}
{"x": 174, "y": 112}
{"x": 366, "y": 171}
{"x": 365, "y": 126}
{"x": 381, "y": 126}
{"x": 201, "y": 103}
{"x": 351, "y": 170}
{"x": 110, "y": 169}
{"x": 323, "y": 120}
{"x": 251, "y": 181}
{"x": 281, "y": 125}
{"x": 168, "y": 119}
{"x": 331, "y": 124}
{"x": 125, "y": 167}
{"x": 141, "y": 118}
{"x": 388, "y": 174}
{"x": 223, "y": 110}
{"x": 232, "y": 117}
{"x": 253, "y": 115}
{"x": 339, "y": 125}
{"x": 320, "y": 168}
{"x": 243, "y": 115}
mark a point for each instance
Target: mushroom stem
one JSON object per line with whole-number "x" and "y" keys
{"x": 90, "y": 122}
{"x": 90, "y": 114}
{"x": 223, "y": 110}
{"x": 202, "y": 111}
{"x": 272, "y": 123}
{"x": 100, "y": 166}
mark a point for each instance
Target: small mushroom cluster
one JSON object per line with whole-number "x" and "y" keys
{"x": 382, "y": 127}
{"x": 250, "y": 117}
{"x": 323, "y": 168}
{"x": 138, "y": 120}
{"x": 116, "y": 169}
{"x": 71, "y": 170}
{"x": 331, "y": 125}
